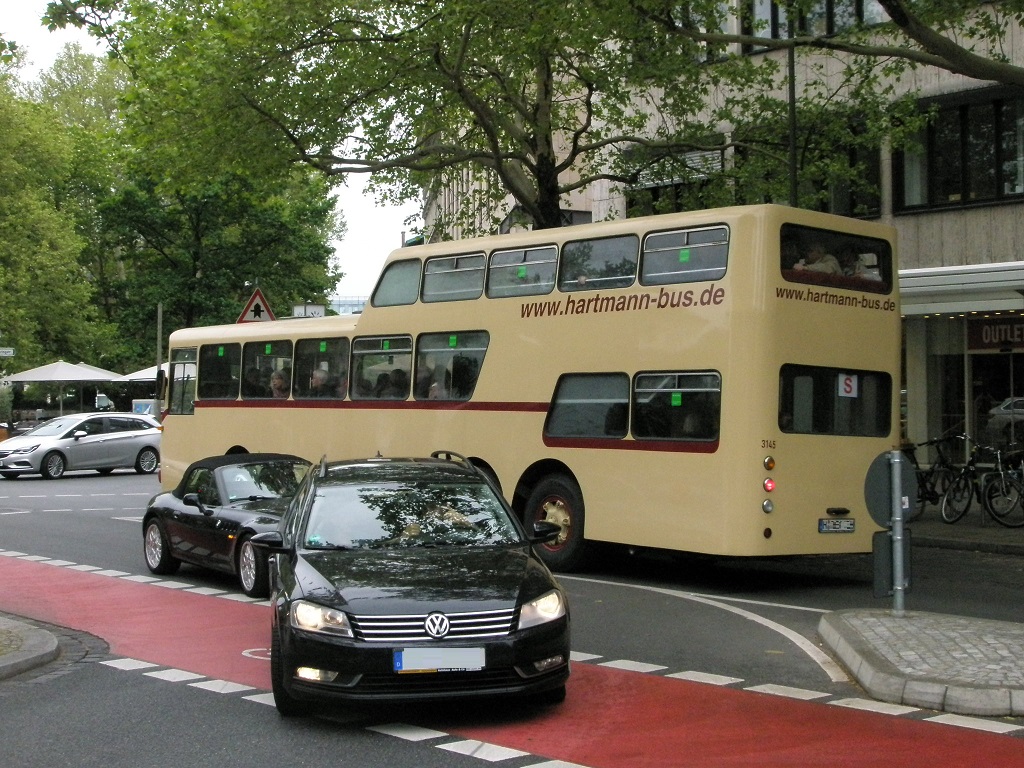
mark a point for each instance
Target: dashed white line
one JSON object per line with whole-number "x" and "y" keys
{"x": 407, "y": 732}
{"x": 632, "y": 666}
{"x": 492, "y": 753}
{"x": 869, "y": 705}
{"x": 993, "y": 726}
{"x": 175, "y": 675}
{"x": 785, "y": 690}
{"x": 705, "y": 677}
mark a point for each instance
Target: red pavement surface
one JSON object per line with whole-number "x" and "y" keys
{"x": 610, "y": 719}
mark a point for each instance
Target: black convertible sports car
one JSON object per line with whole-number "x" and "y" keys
{"x": 410, "y": 578}
{"x": 219, "y": 505}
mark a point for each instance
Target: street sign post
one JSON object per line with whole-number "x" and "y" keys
{"x": 889, "y": 487}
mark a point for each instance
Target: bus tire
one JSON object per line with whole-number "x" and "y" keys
{"x": 558, "y": 499}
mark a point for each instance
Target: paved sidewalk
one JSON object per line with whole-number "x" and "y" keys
{"x": 934, "y": 661}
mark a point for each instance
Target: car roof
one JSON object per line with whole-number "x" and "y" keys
{"x": 380, "y": 470}
{"x": 232, "y": 459}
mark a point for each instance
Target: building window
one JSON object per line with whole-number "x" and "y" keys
{"x": 971, "y": 153}
{"x": 768, "y": 19}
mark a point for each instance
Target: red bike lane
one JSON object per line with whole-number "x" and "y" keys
{"x": 611, "y": 718}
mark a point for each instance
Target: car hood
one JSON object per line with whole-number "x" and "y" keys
{"x": 419, "y": 580}
{"x": 22, "y": 441}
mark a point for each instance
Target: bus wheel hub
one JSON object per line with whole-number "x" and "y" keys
{"x": 556, "y": 512}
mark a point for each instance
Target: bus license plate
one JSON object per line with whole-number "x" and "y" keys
{"x": 835, "y": 525}
{"x": 439, "y": 660}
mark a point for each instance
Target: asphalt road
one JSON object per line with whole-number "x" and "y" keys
{"x": 679, "y": 660}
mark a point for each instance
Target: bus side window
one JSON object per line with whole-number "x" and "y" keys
{"x": 321, "y": 368}
{"x": 599, "y": 264}
{"x": 591, "y": 405}
{"x": 677, "y": 405}
{"x": 381, "y": 367}
{"x": 685, "y": 256}
{"x": 453, "y": 278}
{"x": 220, "y": 368}
{"x": 259, "y": 361}
{"x": 182, "y": 381}
{"x": 523, "y": 272}
{"x": 399, "y": 284}
{"x": 448, "y": 364}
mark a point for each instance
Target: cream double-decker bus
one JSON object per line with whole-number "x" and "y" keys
{"x": 716, "y": 381}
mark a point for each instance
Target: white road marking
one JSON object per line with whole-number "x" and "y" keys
{"x": 993, "y": 726}
{"x": 407, "y": 732}
{"x": 632, "y": 666}
{"x": 790, "y": 693}
{"x": 705, "y": 677}
{"x": 492, "y": 753}
{"x": 869, "y": 705}
{"x": 823, "y": 660}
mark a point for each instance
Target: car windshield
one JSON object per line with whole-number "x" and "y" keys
{"x": 53, "y": 427}
{"x": 267, "y": 480}
{"x": 395, "y": 515}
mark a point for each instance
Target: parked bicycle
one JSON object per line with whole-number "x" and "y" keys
{"x": 1000, "y": 493}
{"x": 933, "y": 480}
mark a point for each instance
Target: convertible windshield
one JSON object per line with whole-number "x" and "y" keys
{"x": 269, "y": 480}
{"x": 393, "y": 515}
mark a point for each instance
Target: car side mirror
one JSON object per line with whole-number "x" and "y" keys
{"x": 78, "y": 434}
{"x": 192, "y": 500}
{"x": 271, "y": 540}
{"x": 544, "y": 531}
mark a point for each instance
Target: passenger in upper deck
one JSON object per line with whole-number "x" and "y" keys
{"x": 817, "y": 260}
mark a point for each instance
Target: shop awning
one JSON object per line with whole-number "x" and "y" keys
{"x": 964, "y": 289}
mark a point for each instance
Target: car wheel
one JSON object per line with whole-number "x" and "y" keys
{"x": 147, "y": 461}
{"x": 53, "y": 465}
{"x": 287, "y": 705}
{"x": 158, "y": 554}
{"x": 252, "y": 569}
{"x": 558, "y": 499}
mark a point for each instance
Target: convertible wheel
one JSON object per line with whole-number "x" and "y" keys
{"x": 158, "y": 554}
{"x": 53, "y": 465}
{"x": 147, "y": 461}
{"x": 252, "y": 570}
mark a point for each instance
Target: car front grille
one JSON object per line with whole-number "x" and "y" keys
{"x": 410, "y": 627}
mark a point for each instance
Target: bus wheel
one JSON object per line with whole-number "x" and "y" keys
{"x": 558, "y": 500}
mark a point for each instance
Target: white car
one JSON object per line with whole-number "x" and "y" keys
{"x": 100, "y": 441}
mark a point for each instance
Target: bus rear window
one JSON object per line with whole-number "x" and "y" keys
{"x": 834, "y": 401}
{"x": 835, "y": 259}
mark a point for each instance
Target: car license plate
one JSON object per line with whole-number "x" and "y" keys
{"x": 835, "y": 525}
{"x": 439, "y": 660}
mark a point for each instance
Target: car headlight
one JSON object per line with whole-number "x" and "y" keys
{"x": 26, "y": 449}
{"x": 317, "y": 618}
{"x": 547, "y": 607}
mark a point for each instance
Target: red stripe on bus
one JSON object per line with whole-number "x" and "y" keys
{"x": 680, "y": 446}
{"x": 391, "y": 405}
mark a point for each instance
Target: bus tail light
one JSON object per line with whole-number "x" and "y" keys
{"x": 769, "y": 484}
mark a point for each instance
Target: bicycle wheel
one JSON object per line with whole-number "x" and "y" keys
{"x": 957, "y": 498}
{"x": 1003, "y": 499}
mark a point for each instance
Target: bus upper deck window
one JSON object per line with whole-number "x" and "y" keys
{"x": 453, "y": 278}
{"x": 398, "y": 285}
{"x": 599, "y": 264}
{"x": 522, "y": 272}
{"x": 685, "y": 256}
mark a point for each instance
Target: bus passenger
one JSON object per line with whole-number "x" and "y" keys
{"x": 817, "y": 260}
{"x": 251, "y": 385}
{"x": 320, "y": 386}
{"x": 278, "y": 384}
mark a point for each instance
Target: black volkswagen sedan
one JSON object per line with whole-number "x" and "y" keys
{"x": 410, "y": 578}
{"x": 219, "y": 505}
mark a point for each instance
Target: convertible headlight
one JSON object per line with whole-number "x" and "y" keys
{"x": 547, "y": 607}
{"x": 317, "y": 618}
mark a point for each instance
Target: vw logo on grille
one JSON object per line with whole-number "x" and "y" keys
{"x": 437, "y": 625}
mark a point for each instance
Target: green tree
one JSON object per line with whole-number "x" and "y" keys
{"x": 46, "y": 309}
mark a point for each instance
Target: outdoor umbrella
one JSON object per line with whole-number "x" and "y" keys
{"x": 146, "y": 374}
{"x": 62, "y": 372}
